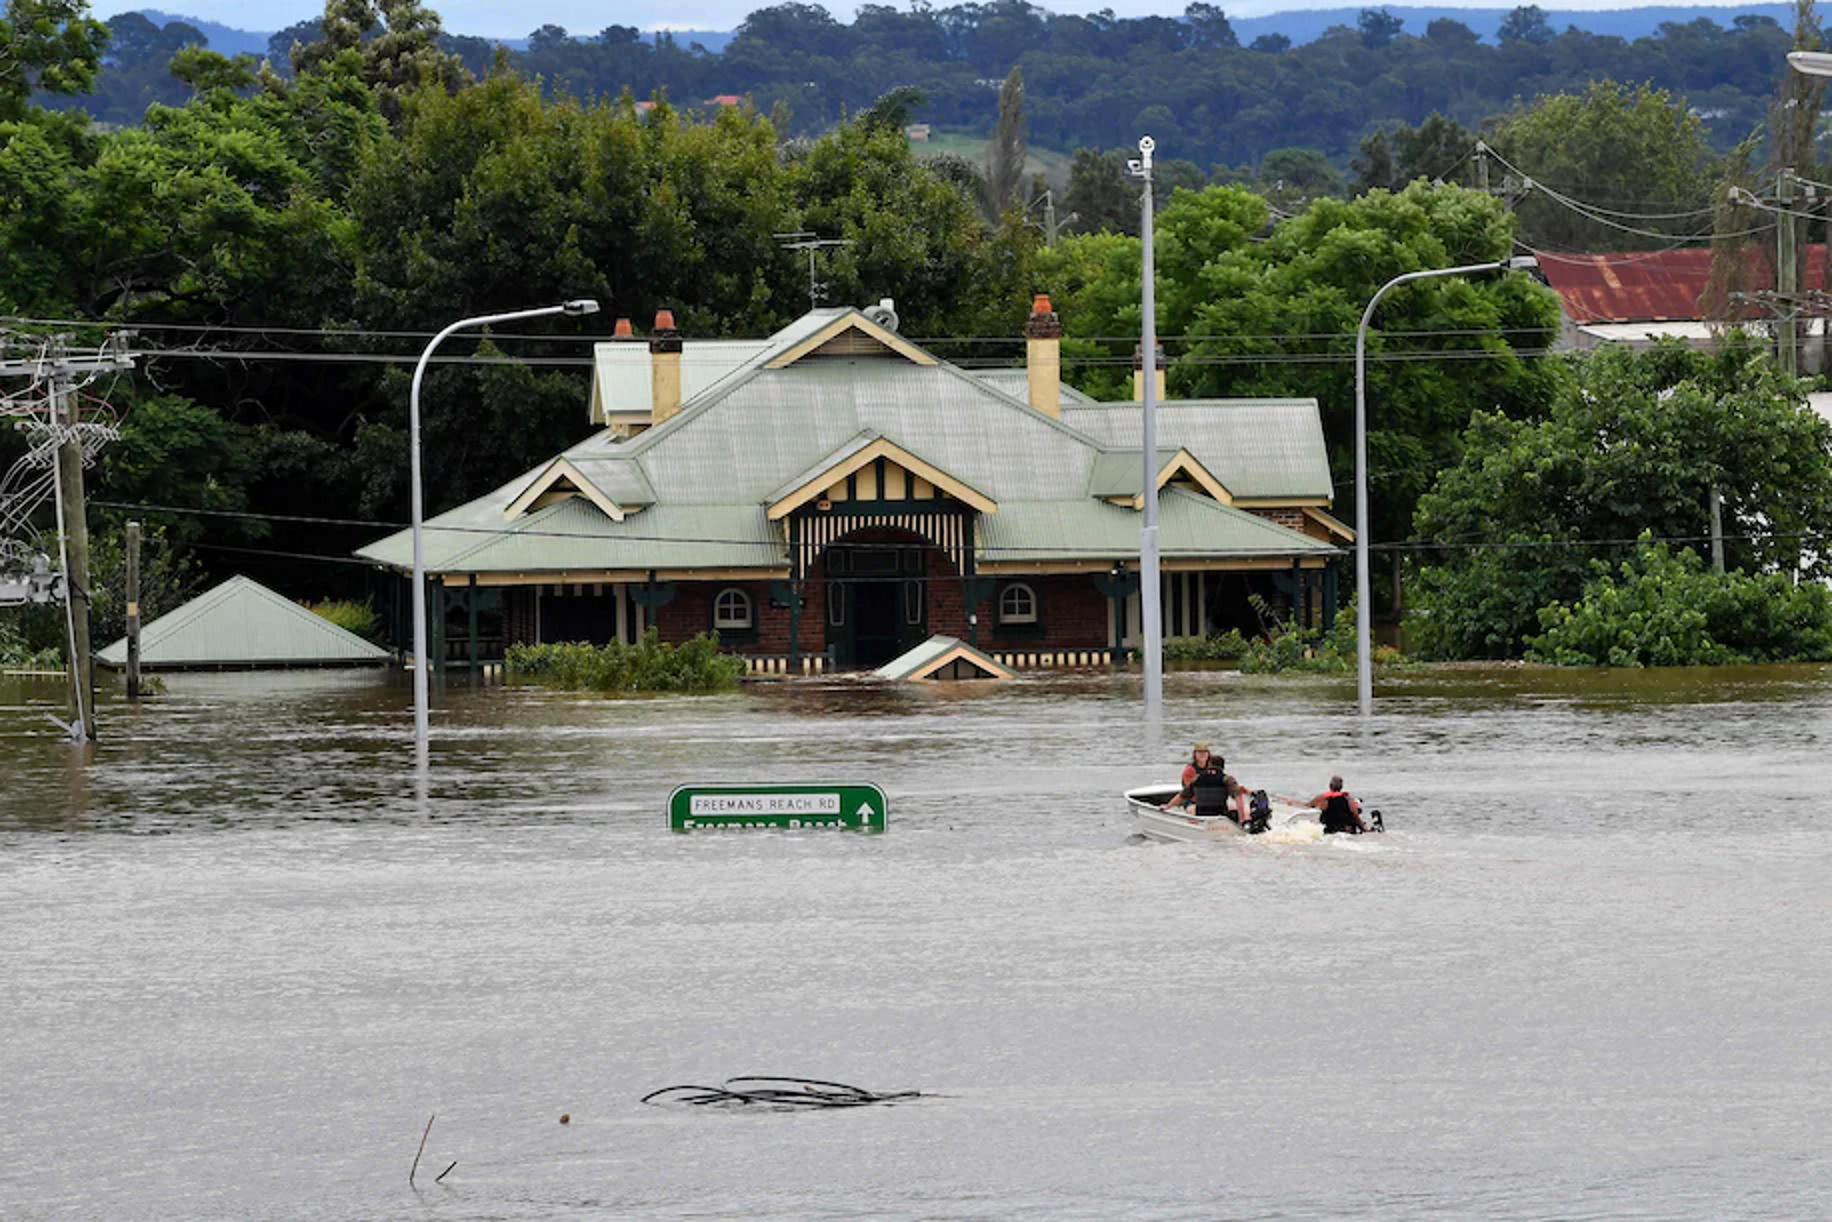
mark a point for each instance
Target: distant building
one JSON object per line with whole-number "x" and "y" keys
{"x": 1637, "y": 297}
{"x": 833, "y": 494}
{"x": 918, "y": 133}
{"x": 724, "y": 99}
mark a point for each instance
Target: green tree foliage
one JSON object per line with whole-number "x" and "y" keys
{"x": 1439, "y": 149}
{"x": 48, "y": 46}
{"x": 1664, "y": 608}
{"x": 1618, "y": 148}
{"x": 1629, "y": 444}
{"x": 1100, "y": 194}
{"x": 1278, "y": 317}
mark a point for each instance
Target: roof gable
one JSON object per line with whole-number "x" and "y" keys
{"x": 1118, "y": 475}
{"x": 851, "y": 335}
{"x": 862, "y": 452}
{"x": 562, "y": 478}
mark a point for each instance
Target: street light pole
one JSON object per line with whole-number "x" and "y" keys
{"x": 1151, "y": 623}
{"x": 1364, "y": 662}
{"x": 421, "y": 664}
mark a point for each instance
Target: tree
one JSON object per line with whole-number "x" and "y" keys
{"x": 1437, "y": 149}
{"x": 1609, "y": 151}
{"x": 1005, "y": 157}
{"x": 1631, "y": 443}
{"x": 50, "y": 46}
{"x": 1271, "y": 44}
{"x": 1209, "y": 26}
{"x": 1378, "y": 27}
{"x": 1100, "y": 194}
{"x": 1526, "y": 24}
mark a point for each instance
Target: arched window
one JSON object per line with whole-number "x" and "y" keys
{"x": 1017, "y": 604}
{"x": 731, "y": 609}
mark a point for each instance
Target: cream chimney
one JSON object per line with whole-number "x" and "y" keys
{"x": 1043, "y": 357}
{"x": 1138, "y": 375}
{"x": 664, "y": 367}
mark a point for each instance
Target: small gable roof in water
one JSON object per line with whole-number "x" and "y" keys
{"x": 241, "y": 624}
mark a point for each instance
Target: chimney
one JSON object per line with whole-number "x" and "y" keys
{"x": 1043, "y": 357}
{"x": 622, "y": 330}
{"x": 664, "y": 367}
{"x": 1138, "y": 375}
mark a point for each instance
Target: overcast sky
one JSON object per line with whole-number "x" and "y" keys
{"x": 496, "y": 19}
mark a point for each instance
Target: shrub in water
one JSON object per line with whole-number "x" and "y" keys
{"x": 357, "y": 617}
{"x": 647, "y": 666}
{"x": 1216, "y": 647}
{"x": 1665, "y": 609}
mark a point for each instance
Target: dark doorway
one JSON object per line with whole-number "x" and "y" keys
{"x": 876, "y": 623}
{"x": 877, "y": 604}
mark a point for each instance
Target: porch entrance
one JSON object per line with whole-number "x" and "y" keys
{"x": 877, "y": 600}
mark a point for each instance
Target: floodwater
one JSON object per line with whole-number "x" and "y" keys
{"x": 1587, "y": 974}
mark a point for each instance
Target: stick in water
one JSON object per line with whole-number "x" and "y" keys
{"x": 416, "y": 1157}
{"x": 445, "y": 1172}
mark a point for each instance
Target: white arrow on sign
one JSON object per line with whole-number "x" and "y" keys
{"x": 866, "y": 810}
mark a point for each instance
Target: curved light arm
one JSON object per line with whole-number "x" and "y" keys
{"x": 421, "y": 664}
{"x": 1364, "y": 632}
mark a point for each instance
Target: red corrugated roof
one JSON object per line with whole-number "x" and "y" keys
{"x": 1654, "y": 286}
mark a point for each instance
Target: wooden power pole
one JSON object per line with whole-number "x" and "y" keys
{"x": 133, "y": 610}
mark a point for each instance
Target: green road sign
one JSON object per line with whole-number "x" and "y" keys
{"x": 699, "y": 808}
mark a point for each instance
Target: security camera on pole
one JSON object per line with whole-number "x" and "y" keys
{"x": 1150, "y": 620}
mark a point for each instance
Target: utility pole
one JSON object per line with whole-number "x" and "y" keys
{"x": 133, "y": 610}
{"x": 1482, "y": 171}
{"x": 62, "y": 440}
{"x": 1717, "y": 531}
{"x": 1787, "y": 278}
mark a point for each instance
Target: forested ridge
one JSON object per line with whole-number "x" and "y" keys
{"x": 1091, "y": 80}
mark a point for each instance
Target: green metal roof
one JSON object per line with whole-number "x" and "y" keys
{"x": 704, "y": 477}
{"x": 243, "y": 623}
{"x": 1016, "y": 383}
{"x": 1257, "y": 448}
{"x": 574, "y": 536}
{"x": 1190, "y": 527}
{"x": 1122, "y": 472}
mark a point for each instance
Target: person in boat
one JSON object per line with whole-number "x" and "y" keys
{"x": 1207, "y": 786}
{"x": 1341, "y": 811}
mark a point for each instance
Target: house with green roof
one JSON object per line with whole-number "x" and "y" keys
{"x": 834, "y": 494}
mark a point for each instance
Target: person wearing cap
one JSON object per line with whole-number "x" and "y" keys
{"x": 1341, "y": 812}
{"x": 1207, "y": 784}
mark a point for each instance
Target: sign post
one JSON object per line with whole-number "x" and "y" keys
{"x": 851, "y": 807}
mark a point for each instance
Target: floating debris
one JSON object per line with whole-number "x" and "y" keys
{"x": 786, "y": 1093}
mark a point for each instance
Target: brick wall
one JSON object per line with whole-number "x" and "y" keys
{"x": 1072, "y": 614}
{"x": 1291, "y": 518}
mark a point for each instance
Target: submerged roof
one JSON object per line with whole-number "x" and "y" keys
{"x": 943, "y": 657}
{"x": 243, "y": 623}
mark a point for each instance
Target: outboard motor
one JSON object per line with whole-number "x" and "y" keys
{"x": 1260, "y": 818}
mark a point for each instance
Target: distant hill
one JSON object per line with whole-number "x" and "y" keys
{"x": 225, "y": 40}
{"x": 1306, "y": 25}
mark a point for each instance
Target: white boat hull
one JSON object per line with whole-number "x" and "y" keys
{"x": 1184, "y": 825}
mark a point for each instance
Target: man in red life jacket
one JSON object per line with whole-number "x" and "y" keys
{"x": 1341, "y": 812}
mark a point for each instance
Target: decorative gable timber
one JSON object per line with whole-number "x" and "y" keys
{"x": 920, "y": 479}
{"x": 1118, "y": 474}
{"x": 560, "y": 480}
{"x": 853, "y": 335}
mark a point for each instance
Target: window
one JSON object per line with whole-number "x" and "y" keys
{"x": 731, "y": 609}
{"x": 1017, "y": 604}
{"x": 912, "y": 603}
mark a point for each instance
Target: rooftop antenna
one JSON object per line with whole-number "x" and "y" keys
{"x": 803, "y": 239}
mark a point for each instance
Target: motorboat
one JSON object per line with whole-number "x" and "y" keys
{"x": 1153, "y": 820}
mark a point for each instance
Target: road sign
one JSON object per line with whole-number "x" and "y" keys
{"x": 704, "y": 808}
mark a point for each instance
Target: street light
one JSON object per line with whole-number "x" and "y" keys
{"x": 1810, "y": 63}
{"x": 1151, "y": 624}
{"x": 572, "y": 309}
{"x": 1364, "y": 662}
